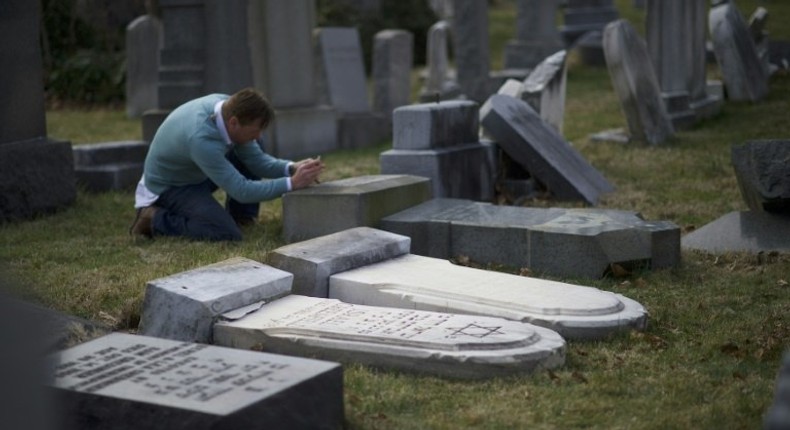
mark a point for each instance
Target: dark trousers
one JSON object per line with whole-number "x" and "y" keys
{"x": 192, "y": 211}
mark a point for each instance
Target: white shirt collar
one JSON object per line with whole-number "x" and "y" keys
{"x": 221, "y": 122}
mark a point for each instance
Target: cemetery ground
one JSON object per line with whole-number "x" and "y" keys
{"x": 718, "y": 324}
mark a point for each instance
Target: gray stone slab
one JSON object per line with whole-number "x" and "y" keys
{"x": 185, "y": 306}
{"x": 560, "y": 242}
{"x": 439, "y": 85}
{"x": 583, "y": 16}
{"x": 342, "y": 72}
{"x": 182, "y": 59}
{"x": 763, "y": 171}
{"x": 520, "y": 131}
{"x": 108, "y": 177}
{"x": 736, "y": 54}
{"x": 122, "y": 381}
{"x": 313, "y": 261}
{"x": 109, "y": 166}
{"x": 393, "y": 59}
{"x": 143, "y": 41}
{"x": 431, "y": 343}
{"x": 748, "y": 231}
{"x": 545, "y": 87}
{"x": 778, "y": 415}
{"x": 636, "y": 84}
{"x": 435, "y": 125}
{"x": 361, "y": 201}
{"x": 537, "y": 36}
{"x": 96, "y": 154}
{"x": 362, "y": 130}
{"x": 464, "y": 171}
{"x": 303, "y": 132}
{"x": 228, "y": 58}
{"x": 471, "y": 48}
{"x": 424, "y": 283}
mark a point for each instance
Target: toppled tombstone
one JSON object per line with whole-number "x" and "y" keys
{"x": 746, "y": 231}
{"x": 544, "y": 89}
{"x": 429, "y": 343}
{"x": 411, "y": 340}
{"x": 555, "y": 241}
{"x": 123, "y": 381}
{"x": 352, "y": 202}
{"x": 414, "y": 282}
{"x": 762, "y": 168}
{"x": 636, "y": 84}
{"x": 744, "y": 75}
{"x": 539, "y": 148}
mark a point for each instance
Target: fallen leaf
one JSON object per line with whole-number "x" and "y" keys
{"x": 782, "y": 283}
{"x": 524, "y": 271}
{"x": 618, "y": 271}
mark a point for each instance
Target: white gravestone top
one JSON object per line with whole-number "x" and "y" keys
{"x": 416, "y": 282}
{"x": 447, "y": 344}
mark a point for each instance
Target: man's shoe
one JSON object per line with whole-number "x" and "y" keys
{"x": 143, "y": 224}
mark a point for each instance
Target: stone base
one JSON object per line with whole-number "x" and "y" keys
{"x": 354, "y": 202}
{"x": 36, "y": 177}
{"x": 303, "y": 132}
{"x": 752, "y": 232}
{"x": 679, "y": 111}
{"x": 109, "y": 166}
{"x": 363, "y": 130}
{"x": 463, "y": 171}
{"x": 707, "y": 108}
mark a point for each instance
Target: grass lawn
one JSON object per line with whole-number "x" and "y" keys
{"x": 718, "y": 324}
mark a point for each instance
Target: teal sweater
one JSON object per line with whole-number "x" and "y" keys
{"x": 188, "y": 148}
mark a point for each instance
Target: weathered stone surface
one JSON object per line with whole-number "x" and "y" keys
{"x": 123, "y": 381}
{"x": 778, "y": 415}
{"x": 744, "y": 75}
{"x": 471, "y": 48}
{"x": 393, "y": 59}
{"x": 346, "y": 203}
{"x": 182, "y": 59}
{"x": 185, "y": 306}
{"x": 520, "y": 131}
{"x": 635, "y": 83}
{"x": 763, "y": 171}
{"x": 429, "y": 343}
{"x": 544, "y": 89}
{"x": 464, "y": 171}
{"x": 439, "y": 85}
{"x": 313, "y": 261}
{"x": 561, "y": 242}
{"x": 143, "y": 41}
{"x": 537, "y": 36}
{"x": 415, "y": 282}
{"x": 228, "y": 57}
{"x": 435, "y": 125}
{"x": 750, "y": 231}
{"x": 342, "y": 74}
{"x": 109, "y": 166}
{"x": 584, "y": 20}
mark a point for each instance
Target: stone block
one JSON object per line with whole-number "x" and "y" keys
{"x": 185, "y": 306}
{"x": 544, "y": 89}
{"x": 435, "y": 125}
{"x": 762, "y": 168}
{"x": 393, "y": 59}
{"x": 559, "y": 242}
{"x": 109, "y": 166}
{"x": 636, "y": 84}
{"x": 143, "y": 41}
{"x": 743, "y": 73}
{"x": 36, "y": 177}
{"x": 537, "y": 36}
{"x": 347, "y": 203}
{"x": 471, "y": 48}
{"x": 524, "y": 136}
{"x": 424, "y": 283}
{"x": 227, "y": 37}
{"x": 429, "y": 343}
{"x": 463, "y": 171}
{"x": 362, "y": 130}
{"x": 123, "y": 381}
{"x": 313, "y": 261}
{"x": 303, "y": 132}
{"x": 342, "y": 72}
{"x": 749, "y": 231}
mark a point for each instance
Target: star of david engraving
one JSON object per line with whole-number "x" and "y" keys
{"x": 474, "y": 330}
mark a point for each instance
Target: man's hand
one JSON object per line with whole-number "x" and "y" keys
{"x": 307, "y": 172}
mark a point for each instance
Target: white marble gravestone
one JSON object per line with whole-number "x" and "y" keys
{"x": 416, "y": 341}
{"x": 414, "y": 282}
{"x": 123, "y": 381}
